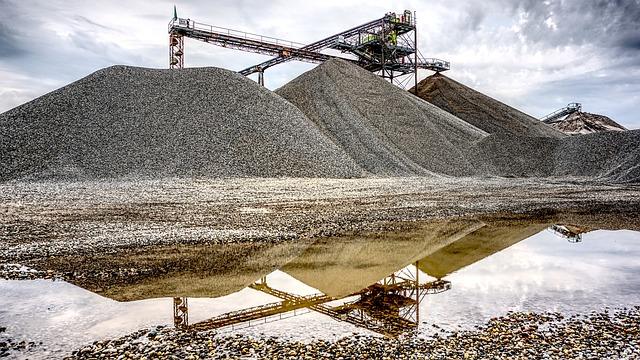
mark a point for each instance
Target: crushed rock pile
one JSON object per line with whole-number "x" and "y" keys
{"x": 586, "y": 123}
{"x": 126, "y": 121}
{"x": 481, "y": 110}
{"x": 610, "y": 156}
{"x": 385, "y": 129}
{"x": 335, "y": 121}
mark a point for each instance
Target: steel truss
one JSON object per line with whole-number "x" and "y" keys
{"x": 385, "y": 46}
{"x": 389, "y": 307}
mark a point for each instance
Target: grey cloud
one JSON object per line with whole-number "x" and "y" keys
{"x": 94, "y": 24}
{"x": 631, "y": 41}
{"x": 578, "y": 22}
{"x": 10, "y": 44}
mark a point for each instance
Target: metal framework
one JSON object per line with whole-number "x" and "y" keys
{"x": 176, "y": 51}
{"x": 389, "y": 307}
{"x": 180, "y": 312}
{"x": 385, "y": 46}
{"x": 560, "y": 113}
{"x": 567, "y": 233}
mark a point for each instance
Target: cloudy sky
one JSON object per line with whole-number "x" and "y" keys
{"x": 534, "y": 55}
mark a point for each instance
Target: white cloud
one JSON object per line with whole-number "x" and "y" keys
{"x": 508, "y": 50}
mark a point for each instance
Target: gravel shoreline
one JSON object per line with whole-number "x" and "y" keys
{"x": 610, "y": 334}
{"x": 41, "y": 220}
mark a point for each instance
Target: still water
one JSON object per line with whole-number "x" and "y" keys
{"x": 453, "y": 275}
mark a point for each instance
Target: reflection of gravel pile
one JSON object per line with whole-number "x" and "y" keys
{"x": 124, "y": 121}
{"x": 384, "y": 128}
{"x": 481, "y": 110}
{"x": 611, "y": 155}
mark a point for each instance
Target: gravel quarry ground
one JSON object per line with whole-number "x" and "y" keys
{"x": 45, "y": 219}
{"x": 610, "y": 334}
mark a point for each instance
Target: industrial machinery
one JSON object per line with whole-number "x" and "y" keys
{"x": 386, "y": 46}
{"x": 560, "y": 113}
{"x": 389, "y": 307}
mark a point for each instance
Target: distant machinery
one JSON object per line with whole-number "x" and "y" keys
{"x": 385, "y": 46}
{"x": 560, "y": 113}
{"x": 389, "y": 307}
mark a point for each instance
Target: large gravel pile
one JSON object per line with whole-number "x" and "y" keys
{"x": 385, "y": 129}
{"x": 127, "y": 121}
{"x": 517, "y": 156}
{"x": 611, "y": 155}
{"x": 481, "y": 110}
{"x": 339, "y": 121}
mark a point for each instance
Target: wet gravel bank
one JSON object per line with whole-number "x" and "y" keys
{"x": 47, "y": 219}
{"x": 607, "y": 334}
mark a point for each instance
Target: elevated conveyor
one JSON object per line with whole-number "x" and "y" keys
{"x": 560, "y": 113}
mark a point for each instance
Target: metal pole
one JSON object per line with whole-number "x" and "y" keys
{"x": 261, "y": 77}
{"x": 382, "y": 47}
{"x": 417, "y": 294}
{"x": 415, "y": 55}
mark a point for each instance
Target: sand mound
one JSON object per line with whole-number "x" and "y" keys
{"x": 481, "y": 110}
{"x": 127, "y": 121}
{"x": 386, "y": 130}
{"x": 586, "y": 123}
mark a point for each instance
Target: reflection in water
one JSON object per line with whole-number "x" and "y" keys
{"x": 389, "y": 307}
{"x": 335, "y": 286}
{"x": 573, "y": 234}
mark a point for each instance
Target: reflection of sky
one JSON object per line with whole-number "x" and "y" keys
{"x": 542, "y": 273}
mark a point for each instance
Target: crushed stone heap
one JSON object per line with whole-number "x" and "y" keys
{"x": 127, "y": 121}
{"x": 612, "y": 156}
{"x": 581, "y": 122}
{"x": 481, "y": 110}
{"x": 385, "y": 129}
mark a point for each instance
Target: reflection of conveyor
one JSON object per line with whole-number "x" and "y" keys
{"x": 389, "y": 307}
{"x": 573, "y": 234}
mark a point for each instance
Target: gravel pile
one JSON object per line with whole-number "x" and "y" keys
{"x": 385, "y": 129}
{"x": 517, "y": 156}
{"x": 611, "y": 155}
{"x": 481, "y": 110}
{"x": 604, "y": 335}
{"x": 586, "y": 123}
{"x": 128, "y": 121}
{"x": 340, "y": 121}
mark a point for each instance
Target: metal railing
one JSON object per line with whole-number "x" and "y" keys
{"x": 188, "y": 24}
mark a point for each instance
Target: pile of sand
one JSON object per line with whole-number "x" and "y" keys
{"x": 521, "y": 146}
{"x": 481, "y": 110}
{"x": 128, "y": 121}
{"x": 386, "y": 130}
